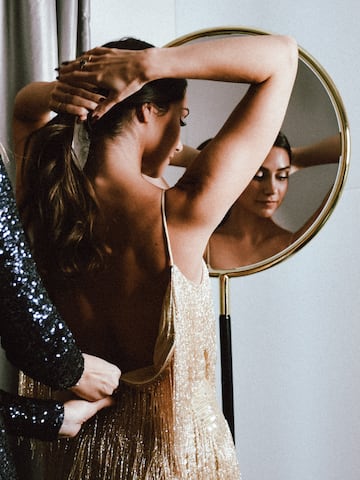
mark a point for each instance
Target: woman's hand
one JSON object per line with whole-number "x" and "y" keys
{"x": 121, "y": 72}
{"x": 99, "y": 379}
{"x": 34, "y": 103}
{"x": 77, "y": 412}
{"x": 78, "y": 101}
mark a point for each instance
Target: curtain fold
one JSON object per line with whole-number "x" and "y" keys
{"x": 83, "y": 30}
{"x": 35, "y": 36}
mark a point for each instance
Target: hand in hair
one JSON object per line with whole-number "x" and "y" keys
{"x": 121, "y": 72}
{"x": 75, "y": 100}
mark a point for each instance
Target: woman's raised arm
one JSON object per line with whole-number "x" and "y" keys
{"x": 223, "y": 169}
{"x": 268, "y": 63}
{"x": 34, "y": 104}
{"x": 326, "y": 151}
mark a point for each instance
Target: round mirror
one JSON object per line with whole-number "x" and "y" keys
{"x": 286, "y": 203}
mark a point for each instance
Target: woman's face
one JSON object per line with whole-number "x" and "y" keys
{"x": 267, "y": 189}
{"x": 165, "y": 139}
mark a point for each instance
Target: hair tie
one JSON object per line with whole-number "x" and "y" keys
{"x": 80, "y": 144}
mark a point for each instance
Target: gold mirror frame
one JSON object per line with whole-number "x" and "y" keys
{"x": 334, "y": 97}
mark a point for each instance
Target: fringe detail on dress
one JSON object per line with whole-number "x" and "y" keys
{"x": 132, "y": 440}
{"x": 138, "y": 439}
{"x": 169, "y": 427}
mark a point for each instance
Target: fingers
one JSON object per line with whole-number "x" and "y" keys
{"x": 83, "y": 63}
{"x": 94, "y": 389}
{"x": 120, "y": 72}
{"x": 99, "y": 379}
{"x": 104, "y": 106}
{"x": 77, "y": 101}
{"x": 77, "y": 96}
{"x": 91, "y": 408}
{"x": 103, "y": 403}
{"x": 77, "y": 412}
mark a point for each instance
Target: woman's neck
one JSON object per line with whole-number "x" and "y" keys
{"x": 115, "y": 159}
{"x": 244, "y": 223}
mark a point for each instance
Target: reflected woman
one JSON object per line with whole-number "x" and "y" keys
{"x": 248, "y": 233}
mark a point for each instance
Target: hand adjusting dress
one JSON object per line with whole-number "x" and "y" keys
{"x": 167, "y": 424}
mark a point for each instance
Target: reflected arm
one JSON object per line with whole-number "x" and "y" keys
{"x": 326, "y": 151}
{"x": 185, "y": 157}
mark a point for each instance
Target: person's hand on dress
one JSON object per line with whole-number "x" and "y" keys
{"x": 77, "y": 412}
{"x": 99, "y": 379}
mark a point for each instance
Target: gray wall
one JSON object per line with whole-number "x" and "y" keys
{"x": 295, "y": 326}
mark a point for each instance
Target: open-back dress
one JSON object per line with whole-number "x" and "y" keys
{"x": 166, "y": 424}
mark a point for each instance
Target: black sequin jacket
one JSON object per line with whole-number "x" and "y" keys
{"x": 33, "y": 336}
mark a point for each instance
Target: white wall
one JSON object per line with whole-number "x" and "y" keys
{"x": 295, "y": 326}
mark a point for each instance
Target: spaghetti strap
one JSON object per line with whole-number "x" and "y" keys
{"x": 207, "y": 253}
{"x": 166, "y": 232}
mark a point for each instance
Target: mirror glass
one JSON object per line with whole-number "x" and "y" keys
{"x": 266, "y": 226}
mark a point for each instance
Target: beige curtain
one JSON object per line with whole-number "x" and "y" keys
{"x": 35, "y": 36}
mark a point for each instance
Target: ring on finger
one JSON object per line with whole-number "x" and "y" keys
{"x": 84, "y": 61}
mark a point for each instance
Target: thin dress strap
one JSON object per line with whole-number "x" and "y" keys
{"x": 166, "y": 229}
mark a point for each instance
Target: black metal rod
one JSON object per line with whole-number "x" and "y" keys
{"x": 226, "y": 356}
{"x": 227, "y": 371}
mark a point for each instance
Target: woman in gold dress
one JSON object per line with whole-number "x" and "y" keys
{"x": 129, "y": 256}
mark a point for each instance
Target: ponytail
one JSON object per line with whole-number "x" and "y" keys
{"x": 59, "y": 206}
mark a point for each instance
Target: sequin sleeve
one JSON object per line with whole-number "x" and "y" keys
{"x": 33, "y": 335}
{"x": 27, "y": 417}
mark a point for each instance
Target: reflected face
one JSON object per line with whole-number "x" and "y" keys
{"x": 165, "y": 139}
{"x": 267, "y": 189}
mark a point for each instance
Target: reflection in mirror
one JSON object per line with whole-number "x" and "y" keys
{"x": 316, "y": 128}
{"x": 255, "y": 229}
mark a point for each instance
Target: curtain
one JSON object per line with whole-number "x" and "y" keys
{"x": 35, "y": 36}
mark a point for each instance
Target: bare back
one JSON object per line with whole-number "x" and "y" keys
{"x": 115, "y": 313}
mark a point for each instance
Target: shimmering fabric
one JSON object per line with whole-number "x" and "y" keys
{"x": 7, "y": 470}
{"x": 167, "y": 424}
{"x": 25, "y": 417}
{"x": 32, "y": 334}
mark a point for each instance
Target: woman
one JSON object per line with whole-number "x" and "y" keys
{"x": 37, "y": 340}
{"x": 131, "y": 257}
{"x": 248, "y": 233}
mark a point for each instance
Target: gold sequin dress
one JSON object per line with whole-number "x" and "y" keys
{"x": 167, "y": 423}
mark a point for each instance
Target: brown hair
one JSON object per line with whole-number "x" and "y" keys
{"x": 59, "y": 205}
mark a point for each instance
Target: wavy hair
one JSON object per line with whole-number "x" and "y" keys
{"x": 58, "y": 205}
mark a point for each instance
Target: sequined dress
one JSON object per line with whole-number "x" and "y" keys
{"x": 167, "y": 424}
{"x": 32, "y": 335}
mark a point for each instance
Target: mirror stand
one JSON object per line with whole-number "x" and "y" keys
{"x": 226, "y": 354}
